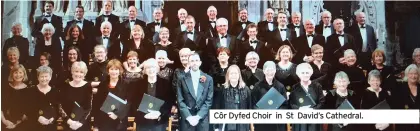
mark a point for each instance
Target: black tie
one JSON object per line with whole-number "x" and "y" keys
{"x": 223, "y": 37}
{"x": 212, "y": 22}
{"x": 190, "y": 32}
{"x": 79, "y": 21}
{"x": 132, "y": 20}
{"x": 182, "y": 22}
{"x": 48, "y": 15}
{"x": 341, "y": 35}
{"x": 106, "y": 15}
{"x": 327, "y": 26}
{"x": 254, "y": 41}
{"x": 297, "y": 27}
{"x": 158, "y": 23}
{"x": 270, "y": 22}
{"x": 310, "y": 35}
{"x": 283, "y": 29}
{"x": 363, "y": 26}
{"x": 105, "y": 37}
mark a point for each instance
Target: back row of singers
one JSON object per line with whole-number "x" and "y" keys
{"x": 195, "y": 96}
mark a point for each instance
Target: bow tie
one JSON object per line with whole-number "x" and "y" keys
{"x": 270, "y": 22}
{"x": 182, "y": 22}
{"x": 297, "y": 27}
{"x": 363, "y": 26}
{"x": 254, "y": 41}
{"x": 341, "y": 35}
{"x": 310, "y": 35}
{"x": 283, "y": 29}
{"x": 327, "y": 26}
{"x": 189, "y": 32}
{"x": 105, "y": 37}
{"x": 78, "y": 21}
{"x": 132, "y": 20}
{"x": 225, "y": 36}
{"x": 47, "y": 15}
{"x": 106, "y": 15}
{"x": 157, "y": 23}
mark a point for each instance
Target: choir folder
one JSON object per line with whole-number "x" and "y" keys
{"x": 149, "y": 102}
{"x": 116, "y": 105}
{"x": 77, "y": 112}
{"x": 271, "y": 100}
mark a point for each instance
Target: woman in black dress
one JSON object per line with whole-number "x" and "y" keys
{"x": 12, "y": 101}
{"x": 162, "y": 58}
{"x": 151, "y": 84}
{"x": 109, "y": 121}
{"x": 132, "y": 71}
{"x": 336, "y": 97}
{"x": 143, "y": 47}
{"x": 234, "y": 95}
{"x": 322, "y": 70}
{"x": 17, "y": 40}
{"x": 354, "y": 72}
{"x": 373, "y": 95}
{"x": 167, "y": 46}
{"x": 77, "y": 95}
{"x": 42, "y": 103}
{"x": 388, "y": 79}
{"x": 309, "y": 88}
{"x": 64, "y": 76}
{"x": 261, "y": 88}
{"x": 407, "y": 96}
{"x": 251, "y": 75}
{"x": 75, "y": 37}
{"x": 13, "y": 55}
{"x": 51, "y": 45}
{"x": 286, "y": 70}
{"x": 44, "y": 60}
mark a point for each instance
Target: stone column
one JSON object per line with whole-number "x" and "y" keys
{"x": 295, "y": 6}
{"x": 38, "y": 10}
{"x": 71, "y": 8}
{"x": 148, "y": 10}
{"x": 312, "y": 10}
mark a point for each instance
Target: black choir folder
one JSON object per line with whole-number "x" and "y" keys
{"x": 271, "y": 100}
{"x": 346, "y": 105}
{"x": 116, "y": 105}
{"x": 382, "y": 105}
{"x": 77, "y": 112}
{"x": 48, "y": 112}
{"x": 149, "y": 102}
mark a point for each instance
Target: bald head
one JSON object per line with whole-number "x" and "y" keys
{"x": 361, "y": 18}
{"x": 182, "y": 14}
{"x": 132, "y": 12}
{"x": 212, "y": 13}
{"x": 309, "y": 26}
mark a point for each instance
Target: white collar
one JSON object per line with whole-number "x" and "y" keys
{"x": 213, "y": 20}
{"x": 191, "y": 31}
{"x": 371, "y": 89}
{"x": 48, "y": 14}
{"x": 360, "y": 25}
{"x": 107, "y": 14}
{"x": 342, "y": 94}
{"x": 132, "y": 19}
{"x": 220, "y": 35}
{"x": 83, "y": 19}
{"x": 195, "y": 73}
{"x": 339, "y": 33}
{"x": 328, "y": 25}
{"x": 313, "y": 33}
{"x": 158, "y": 21}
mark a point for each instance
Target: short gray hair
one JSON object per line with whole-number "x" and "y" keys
{"x": 151, "y": 62}
{"x": 310, "y": 20}
{"x": 303, "y": 66}
{"x": 97, "y": 47}
{"x": 349, "y": 52}
{"x": 416, "y": 51}
{"x": 408, "y": 69}
{"x": 44, "y": 69}
{"x": 211, "y": 8}
{"x": 325, "y": 12}
{"x": 296, "y": 13}
{"x": 184, "y": 50}
{"x": 221, "y": 21}
{"x": 341, "y": 75}
{"x": 103, "y": 24}
{"x": 252, "y": 54}
{"x": 79, "y": 65}
{"x": 48, "y": 26}
{"x": 269, "y": 64}
{"x": 374, "y": 74}
{"x": 161, "y": 53}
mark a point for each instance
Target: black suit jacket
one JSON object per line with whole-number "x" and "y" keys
{"x": 189, "y": 104}
{"x": 214, "y": 44}
{"x": 333, "y": 49}
{"x": 302, "y": 47}
{"x": 275, "y": 41}
{"x": 54, "y": 49}
{"x": 354, "y": 30}
{"x": 198, "y": 44}
{"x": 113, "y": 19}
{"x": 126, "y": 29}
{"x": 263, "y": 29}
{"x": 302, "y": 30}
{"x": 88, "y": 33}
{"x": 151, "y": 34}
{"x": 114, "y": 49}
{"x": 207, "y": 29}
{"x": 175, "y": 30}
{"x": 21, "y": 43}
{"x": 56, "y": 21}
{"x": 319, "y": 29}
{"x": 145, "y": 51}
{"x": 237, "y": 30}
{"x": 260, "y": 49}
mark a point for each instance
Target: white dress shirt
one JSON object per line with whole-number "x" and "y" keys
{"x": 132, "y": 23}
{"x": 341, "y": 38}
{"x": 326, "y": 31}
{"x": 223, "y": 41}
{"x": 191, "y": 36}
{"x": 157, "y": 27}
{"x": 297, "y": 29}
{"x": 183, "y": 27}
{"x": 105, "y": 41}
{"x": 253, "y": 45}
{"x": 213, "y": 24}
{"x": 364, "y": 37}
{"x": 48, "y": 18}
{"x": 270, "y": 26}
{"x": 195, "y": 77}
{"x": 243, "y": 26}
{"x": 106, "y": 18}
{"x": 283, "y": 33}
{"x": 310, "y": 39}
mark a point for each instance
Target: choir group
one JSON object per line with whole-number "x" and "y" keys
{"x": 194, "y": 68}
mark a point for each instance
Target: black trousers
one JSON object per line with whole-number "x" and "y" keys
{"x": 153, "y": 127}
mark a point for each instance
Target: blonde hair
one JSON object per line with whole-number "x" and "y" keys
{"x": 151, "y": 62}
{"x": 281, "y": 48}
{"x": 15, "y": 69}
{"x": 241, "y": 82}
{"x": 132, "y": 54}
{"x": 408, "y": 69}
{"x": 138, "y": 27}
{"x": 316, "y": 47}
{"x": 13, "y": 50}
{"x": 163, "y": 29}
{"x": 79, "y": 65}
{"x": 114, "y": 63}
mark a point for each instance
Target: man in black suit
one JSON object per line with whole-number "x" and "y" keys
{"x": 179, "y": 26}
{"x": 304, "y": 43}
{"x": 297, "y": 25}
{"x": 253, "y": 44}
{"x": 153, "y": 28}
{"x": 209, "y": 27}
{"x": 128, "y": 24}
{"x": 191, "y": 38}
{"x": 86, "y": 26}
{"x": 112, "y": 44}
{"x": 264, "y": 27}
{"x": 107, "y": 16}
{"x": 238, "y": 29}
{"x": 325, "y": 28}
{"x": 337, "y": 43}
{"x": 194, "y": 96}
{"x": 364, "y": 40}
{"x": 48, "y": 17}
{"x": 223, "y": 39}
{"x": 280, "y": 36}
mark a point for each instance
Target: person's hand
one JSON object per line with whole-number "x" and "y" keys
{"x": 95, "y": 129}
{"x": 9, "y": 124}
{"x": 76, "y": 125}
{"x": 192, "y": 120}
{"x": 43, "y": 120}
{"x": 94, "y": 90}
{"x": 381, "y": 126}
{"x": 51, "y": 120}
{"x": 216, "y": 129}
{"x": 167, "y": 61}
{"x": 174, "y": 110}
{"x": 112, "y": 115}
{"x": 342, "y": 60}
{"x": 308, "y": 58}
{"x": 345, "y": 124}
{"x": 152, "y": 114}
{"x": 308, "y": 107}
